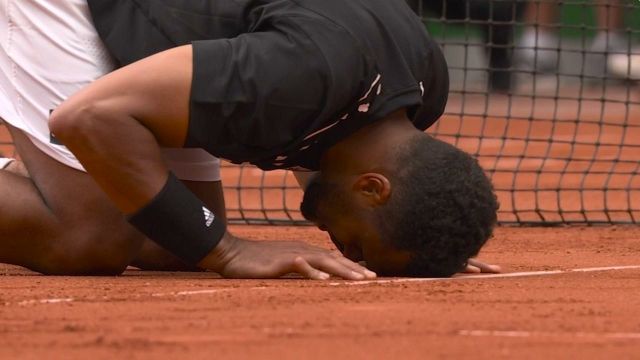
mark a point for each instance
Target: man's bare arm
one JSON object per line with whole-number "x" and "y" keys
{"x": 115, "y": 128}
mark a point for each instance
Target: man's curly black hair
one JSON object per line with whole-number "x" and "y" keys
{"x": 442, "y": 209}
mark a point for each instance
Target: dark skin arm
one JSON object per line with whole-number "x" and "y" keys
{"x": 116, "y": 126}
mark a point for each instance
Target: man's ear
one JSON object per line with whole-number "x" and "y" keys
{"x": 374, "y": 188}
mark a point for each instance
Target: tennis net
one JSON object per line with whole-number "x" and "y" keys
{"x": 543, "y": 93}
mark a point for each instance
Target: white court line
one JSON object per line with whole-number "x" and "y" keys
{"x": 174, "y": 294}
{"x": 45, "y": 301}
{"x": 187, "y": 293}
{"x": 204, "y": 292}
{"x": 353, "y": 283}
{"x": 527, "y": 334}
{"x": 489, "y": 276}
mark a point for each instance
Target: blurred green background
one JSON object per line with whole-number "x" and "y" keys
{"x": 577, "y": 19}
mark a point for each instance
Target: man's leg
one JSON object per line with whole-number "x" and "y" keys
{"x": 610, "y": 37}
{"x": 610, "y": 15}
{"x": 14, "y": 166}
{"x": 610, "y": 40}
{"x": 58, "y": 221}
{"x": 26, "y": 77}
{"x": 60, "y": 250}
{"x": 539, "y": 43}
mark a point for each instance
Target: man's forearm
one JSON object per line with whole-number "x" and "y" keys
{"x": 115, "y": 128}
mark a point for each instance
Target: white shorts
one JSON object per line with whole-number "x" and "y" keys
{"x": 50, "y": 50}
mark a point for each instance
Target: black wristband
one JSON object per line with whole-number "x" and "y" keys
{"x": 179, "y": 222}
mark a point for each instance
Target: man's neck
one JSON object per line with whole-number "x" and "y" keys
{"x": 362, "y": 150}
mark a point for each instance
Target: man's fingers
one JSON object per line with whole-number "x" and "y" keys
{"x": 368, "y": 274}
{"x": 336, "y": 266}
{"x": 321, "y": 268}
{"x": 492, "y": 269}
{"x": 482, "y": 267}
{"x": 302, "y": 267}
{"x": 470, "y": 269}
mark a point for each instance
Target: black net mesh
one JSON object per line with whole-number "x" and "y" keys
{"x": 543, "y": 93}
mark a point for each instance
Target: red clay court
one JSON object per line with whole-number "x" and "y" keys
{"x": 566, "y": 293}
{"x": 565, "y": 290}
{"x": 563, "y": 152}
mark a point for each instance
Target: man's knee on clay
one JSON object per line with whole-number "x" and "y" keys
{"x": 91, "y": 249}
{"x": 74, "y": 230}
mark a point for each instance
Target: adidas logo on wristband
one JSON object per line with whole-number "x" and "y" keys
{"x": 173, "y": 219}
{"x": 208, "y": 216}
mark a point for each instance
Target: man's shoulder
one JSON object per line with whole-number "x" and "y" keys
{"x": 134, "y": 29}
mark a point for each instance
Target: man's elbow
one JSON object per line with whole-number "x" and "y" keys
{"x": 70, "y": 124}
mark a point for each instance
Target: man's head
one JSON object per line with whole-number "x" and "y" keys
{"x": 419, "y": 208}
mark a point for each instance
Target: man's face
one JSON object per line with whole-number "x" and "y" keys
{"x": 333, "y": 207}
